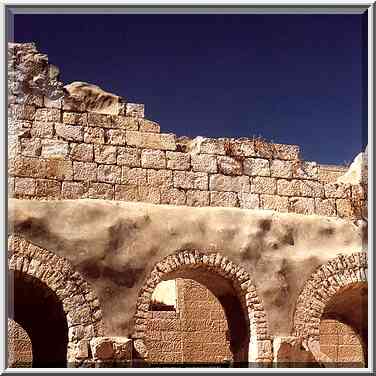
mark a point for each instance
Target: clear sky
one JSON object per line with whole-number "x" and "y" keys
{"x": 296, "y": 79}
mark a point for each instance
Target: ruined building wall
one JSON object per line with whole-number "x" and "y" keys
{"x": 87, "y": 177}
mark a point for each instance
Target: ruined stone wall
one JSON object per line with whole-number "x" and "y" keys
{"x": 61, "y": 149}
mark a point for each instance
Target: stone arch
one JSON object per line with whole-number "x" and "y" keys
{"x": 80, "y": 304}
{"x": 336, "y": 275}
{"x": 260, "y": 342}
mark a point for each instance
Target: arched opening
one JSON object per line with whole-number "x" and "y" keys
{"x": 198, "y": 317}
{"x": 37, "y": 309}
{"x": 344, "y": 326}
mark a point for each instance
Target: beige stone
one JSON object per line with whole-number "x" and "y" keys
{"x": 135, "y": 110}
{"x": 93, "y": 135}
{"x": 256, "y": 167}
{"x": 102, "y": 191}
{"x": 48, "y": 115}
{"x": 55, "y": 149}
{"x": 326, "y": 207}
{"x": 85, "y": 171}
{"x": 190, "y": 180}
{"x": 153, "y": 158}
{"x": 25, "y": 186}
{"x": 286, "y": 152}
{"x": 75, "y": 118}
{"x": 134, "y": 176}
{"x": 278, "y": 203}
{"x": 31, "y": 147}
{"x": 262, "y": 184}
{"x": 29, "y": 167}
{"x": 172, "y": 196}
{"x": 130, "y": 157}
{"x": 109, "y": 174}
{"x": 178, "y": 161}
{"x": 149, "y": 126}
{"x": 149, "y": 194}
{"x": 115, "y": 137}
{"x": 302, "y": 205}
{"x": 288, "y": 187}
{"x": 311, "y": 188}
{"x": 306, "y": 170}
{"x": 204, "y": 163}
{"x": 82, "y": 152}
{"x": 22, "y": 112}
{"x": 212, "y": 146}
{"x": 48, "y": 188}
{"x": 72, "y": 190}
{"x": 59, "y": 169}
{"x": 105, "y": 154}
{"x": 102, "y": 348}
{"x": 99, "y": 120}
{"x": 157, "y": 141}
{"x": 281, "y": 169}
{"x": 345, "y": 208}
{"x": 249, "y": 200}
{"x": 124, "y": 122}
{"x": 42, "y": 130}
{"x": 198, "y": 198}
{"x": 335, "y": 190}
{"x": 225, "y": 183}
{"x": 126, "y": 192}
{"x": 223, "y": 199}
{"x": 229, "y": 166}
{"x": 160, "y": 178}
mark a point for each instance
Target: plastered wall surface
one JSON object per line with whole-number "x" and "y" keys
{"x": 115, "y": 205}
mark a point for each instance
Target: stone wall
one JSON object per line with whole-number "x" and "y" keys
{"x": 197, "y": 332}
{"x": 19, "y": 346}
{"x": 60, "y": 149}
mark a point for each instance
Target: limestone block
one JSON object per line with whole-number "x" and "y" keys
{"x": 177, "y": 160}
{"x": 262, "y": 184}
{"x": 31, "y": 147}
{"x": 82, "y": 152}
{"x": 124, "y": 122}
{"x": 158, "y": 178}
{"x": 101, "y": 191}
{"x": 149, "y": 194}
{"x": 148, "y": 126}
{"x": 93, "y": 135}
{"x": 204, "y": 163}
{"x": 29, "y": 167}
{"x": 130, "y": 157}
{"x": 126, "y": 192}
{"x": 48, "y": 188}
{"x": 54, "y": 149}
{"x": 302, "y": 205}
{"x": 135, "y": 110}
{"x": 288, "y": 187}
{"x": 243, "y": 147}
{"x": 286, "y": 152}
{"x": 325, "y": 207}
{"x": 85, "y": 171}
{"x": 153, "y": 158}
{"x": 105, "y": 154}
{"x": 229, "y": 199}
{"x": 190, "y": 180}
{"x": 281, "y": 169}
{"x": 134, "y": 176}
{"x": 70, "y": 103}
{"x": 197, "y": 198}
{"x": 72, "y": 190}
{"x": 337, "y": 190}
{"x": 59, "y": 169}
{"x": 229, "y": 166}
{"x": 115, "y": 136}
{"x": 311, "y": 188}
{"x": 306, "y": 170}
{"x": 272, "y": 202}
{"x": 225, "y": 183}
{"x": 102, "y": 348}
{"x": 109, "y": 174}
{"x": 345, "y": 209}
{"x": 74, "y": 118}
{"x": 212, "y": 146}
{"x": 42, "y": 130}
{"x": 151, "y": 140}
{"x": 82, "y": 349}
{"x": 358, "y": 192}
{"x": 22, "y": 112}
{"x": 249, "y": 200}
{"x": 25, "y": 186}
{"x": 172, "y": 196}
{"x": 48, "y": 115}
{"x": 260, "y": 349}
{"x": 99, "y": 120}
{"x": 256, "y": 167}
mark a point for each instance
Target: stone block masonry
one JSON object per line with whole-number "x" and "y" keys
{"x": 79, "y": 153}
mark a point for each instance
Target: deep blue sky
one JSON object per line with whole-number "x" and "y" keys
{"x": 290, "y": 78}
